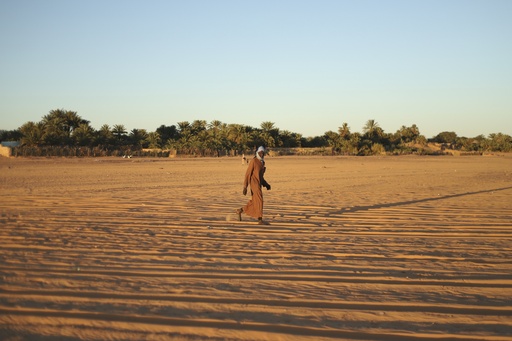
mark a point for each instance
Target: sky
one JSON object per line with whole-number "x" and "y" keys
{"x": 307, "y": 66}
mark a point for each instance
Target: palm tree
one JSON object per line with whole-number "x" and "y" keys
{"x": 269, "y": 133}
{"x": 333, "y": 140}
{"x": 370, "y": 128}
{"x": 344, "y": 131}
{"x": 237, "y": 133}
{"x": 183, "y": 127}
{"x": 104, "y": 136}
{"x": 153, "y": 140}
{"x": 267, "y": 126}
{"x": 54, "y": 128}
{"x": 215, "y": 125}
{"x": 11, "y": 135}
{"x": 59, "y": 125}
{"x": 72, "y": 121}
{"x": 83, "y": 134}
{"x": 32, "y": 133}
{"x": 373, "y": 133}
{"x": 287, "y": 139}
{"x": 184, "y": 141}
{"x": 119, "y": 132}
{"x": 137, "y": 137}
{"x": 354, "y": 143}
{"x": 197, "y": 126}
{"x": 216, "y": 137}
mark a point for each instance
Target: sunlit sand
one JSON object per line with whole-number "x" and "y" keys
{"x": 358, "y": 248}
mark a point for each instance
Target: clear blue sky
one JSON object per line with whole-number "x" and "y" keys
{"x": 307, "y": 66}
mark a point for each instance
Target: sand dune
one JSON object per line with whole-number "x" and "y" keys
{"x": 373, "y": 248}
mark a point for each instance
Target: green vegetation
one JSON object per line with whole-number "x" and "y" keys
{"x": 65, "y": 133}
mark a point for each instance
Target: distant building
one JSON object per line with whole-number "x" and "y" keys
{"x": 10, "y": 144}
{"x": 7, "y": 146}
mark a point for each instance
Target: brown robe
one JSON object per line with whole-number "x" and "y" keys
{"x": 254, "y": 179}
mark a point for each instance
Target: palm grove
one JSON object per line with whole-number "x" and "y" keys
{"x": 65, "y": 133}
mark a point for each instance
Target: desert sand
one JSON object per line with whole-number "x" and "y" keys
{"x": 358, "y": 248}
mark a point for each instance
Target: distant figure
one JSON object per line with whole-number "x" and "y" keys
{"x": 254, "y": 178}
{"x": 244, "y": 159}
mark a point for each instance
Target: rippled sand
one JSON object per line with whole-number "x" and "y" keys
{"x": 358, "y": 248}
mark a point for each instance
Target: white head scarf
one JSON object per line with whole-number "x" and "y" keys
{"x": 260, "y": 149}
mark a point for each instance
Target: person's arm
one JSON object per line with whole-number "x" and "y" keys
{"x": 264, "y": 182}
{"x": 266, "y": 185}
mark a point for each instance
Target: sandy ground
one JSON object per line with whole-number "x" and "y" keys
{"x": 358, "y": 248}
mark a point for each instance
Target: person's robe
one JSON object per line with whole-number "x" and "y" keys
{"x": 254, "y": 179}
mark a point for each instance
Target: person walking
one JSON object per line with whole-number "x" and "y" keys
{"x": 254, "y": 178}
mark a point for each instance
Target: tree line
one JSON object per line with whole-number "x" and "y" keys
{"x": 65, "y": 133}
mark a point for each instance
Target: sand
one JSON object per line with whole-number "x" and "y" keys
{"x": 358, "y": 248}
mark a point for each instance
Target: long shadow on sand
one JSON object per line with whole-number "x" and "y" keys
{"x": 409, "y": 202}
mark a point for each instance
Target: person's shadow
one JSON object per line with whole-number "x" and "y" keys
{"x": 401, "y": 203}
